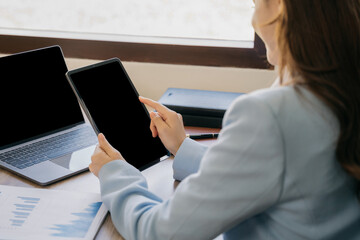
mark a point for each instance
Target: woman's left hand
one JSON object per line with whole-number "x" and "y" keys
{"x": 103, "y": 154}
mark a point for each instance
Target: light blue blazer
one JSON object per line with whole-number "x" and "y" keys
{"x": 272, "y": 174}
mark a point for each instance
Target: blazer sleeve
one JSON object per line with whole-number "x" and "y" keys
{"x": 188, "y": 158}
{"x": 239, "y": 176}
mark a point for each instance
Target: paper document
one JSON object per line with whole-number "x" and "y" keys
{"x": 29, "y": 213}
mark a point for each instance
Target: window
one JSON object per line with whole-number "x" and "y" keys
{"x": 201, "y": 32}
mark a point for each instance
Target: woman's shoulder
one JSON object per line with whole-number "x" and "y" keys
{"x": 271, "y": 98}
{"x": 284, "y": 99}
{"x": 275, "y": 96}
{"x": 286, "y": 105}
{"x": 262, "y": 105}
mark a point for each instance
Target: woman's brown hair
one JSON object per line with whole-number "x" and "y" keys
{"x": 320, "y": 45}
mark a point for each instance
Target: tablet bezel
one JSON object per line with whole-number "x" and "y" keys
{"x": 88, "y": 114}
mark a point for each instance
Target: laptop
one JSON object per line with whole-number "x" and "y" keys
{"x": 44, "y": 136}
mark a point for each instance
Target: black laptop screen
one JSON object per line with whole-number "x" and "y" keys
{"x": 35, "y": 96}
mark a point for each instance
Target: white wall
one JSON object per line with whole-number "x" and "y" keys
{"x": 151, "y": 80}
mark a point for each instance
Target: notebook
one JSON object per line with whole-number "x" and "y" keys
{"x": 44, "y": 137}
{"x": 111, "y": 103}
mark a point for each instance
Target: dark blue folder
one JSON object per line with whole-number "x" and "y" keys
{"x": 199, "y": 107}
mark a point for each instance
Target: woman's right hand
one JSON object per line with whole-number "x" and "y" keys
{"x": 166, "y": 124}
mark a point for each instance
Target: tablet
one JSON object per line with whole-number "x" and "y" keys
{"x": 111, "y": 103}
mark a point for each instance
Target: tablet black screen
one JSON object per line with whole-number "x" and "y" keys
{"x": 112, "y": 101}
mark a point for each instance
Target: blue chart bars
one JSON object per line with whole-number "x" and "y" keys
{"x": 23, "y": 210}
{"x": 46, "y": 214}
{"x": 79, "y": 227}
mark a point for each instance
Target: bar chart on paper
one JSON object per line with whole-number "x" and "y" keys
{"x": 28, "y": 213}
{"x": 22, "y": 210}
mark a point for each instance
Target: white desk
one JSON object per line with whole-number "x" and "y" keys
{"x": 159, "y": 177}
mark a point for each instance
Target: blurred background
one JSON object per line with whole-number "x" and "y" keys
{"x": 205, "y": 19}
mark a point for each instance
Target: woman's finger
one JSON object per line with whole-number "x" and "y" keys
{"x": 155, "y": 105}
{"x": 105, "y": 145}
{"x": 158, "y": 121}
{"x": 97, "y": 149}
{"x": 153, "y": 127}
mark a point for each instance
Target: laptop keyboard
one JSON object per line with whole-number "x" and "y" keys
{"x": 50, "y": 148}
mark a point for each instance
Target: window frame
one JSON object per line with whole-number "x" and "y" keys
{"x": 200, "y": 52}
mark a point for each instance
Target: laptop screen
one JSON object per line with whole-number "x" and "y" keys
{"x": 35, "y": 96}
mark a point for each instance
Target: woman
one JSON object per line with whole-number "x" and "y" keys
{"x": 287, "y": 162}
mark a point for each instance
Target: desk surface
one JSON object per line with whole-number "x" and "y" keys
{"x": 159, "y": 177}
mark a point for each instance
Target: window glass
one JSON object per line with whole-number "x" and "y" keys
{"x": 199, "y": 19}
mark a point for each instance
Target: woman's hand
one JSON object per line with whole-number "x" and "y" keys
{"x": 166, "y": 124}
{"x": 103, "y": 154}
